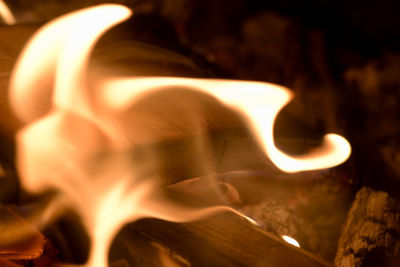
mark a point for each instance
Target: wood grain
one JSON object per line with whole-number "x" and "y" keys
{"x": 371, "y": 233}
{"x": 225, "y": 239}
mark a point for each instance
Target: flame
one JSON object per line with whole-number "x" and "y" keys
{"x": 6, "y": 14}
{"x": 290, "y": 240}
{"x": 259, "y": 102}
{"x": 71, "y": 143}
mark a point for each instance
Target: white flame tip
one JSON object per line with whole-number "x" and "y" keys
{"x": 250, "y": 220}
{"x": 290, "y": 240}
{"x": 334, "y": 151}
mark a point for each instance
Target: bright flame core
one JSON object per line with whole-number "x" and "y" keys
{"x": 290, "y": 240}
{"x": 70, "y": 127}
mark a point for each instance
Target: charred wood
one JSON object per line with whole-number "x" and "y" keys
{"x": 370, "y": 236}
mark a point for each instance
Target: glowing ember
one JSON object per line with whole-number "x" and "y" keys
{"x": 291, "y": 240}
{"x": 72, "y": 141}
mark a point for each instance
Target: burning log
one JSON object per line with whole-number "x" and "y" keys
{"x": 225, "y": 239}
{"x": 370, "y": 234}
{"x": 221, "y": 240}
{"x": 18, "y": 239}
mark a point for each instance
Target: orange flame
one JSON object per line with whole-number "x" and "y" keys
{"x": 259, "y": 102}
{"x": 6, "y": 14}
{"x": 70, "y": 128}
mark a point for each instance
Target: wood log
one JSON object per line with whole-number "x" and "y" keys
{"x": 6, "y": 263}
{"x": 370, "y": 236}
{"x": 224, "y": 239}
{"x": 18, "y": 239}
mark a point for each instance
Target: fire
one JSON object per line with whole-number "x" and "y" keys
{"x": 290, "y": 240}
{"x": 71, "y": 141}
{"x": 259, "y": 102}
{"x": 6, "y": 14}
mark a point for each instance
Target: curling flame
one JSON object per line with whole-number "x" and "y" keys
{"x": 259, "y": 102}
{"x": 70, "y": 141}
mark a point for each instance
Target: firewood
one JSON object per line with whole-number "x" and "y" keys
{"x": 224, "y": 239}
{"x": 6, "y": 263}
{"x": 18, "y": 239}
{"x": 370, "y": 234}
